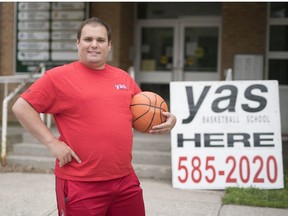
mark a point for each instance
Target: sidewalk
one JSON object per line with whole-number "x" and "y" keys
{"x": 32, "y": 194}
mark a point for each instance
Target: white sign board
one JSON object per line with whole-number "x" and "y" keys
{"x": 228, "y": 134}
{"x": 33, "y": 55}
{"x": 35, "y": 35}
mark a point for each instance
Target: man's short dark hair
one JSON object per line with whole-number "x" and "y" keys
{"x": 95, "y": 20}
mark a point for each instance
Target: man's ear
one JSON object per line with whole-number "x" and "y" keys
{"x": 110, "y": 45}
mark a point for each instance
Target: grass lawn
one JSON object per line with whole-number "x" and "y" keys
{"x": 258, "y": 197}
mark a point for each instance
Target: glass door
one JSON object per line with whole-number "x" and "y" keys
{"x": 155, "y": 51}
{"x": 199, "y": 49}
{"x": 183, "y": 49}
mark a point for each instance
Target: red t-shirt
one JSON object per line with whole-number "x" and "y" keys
{"x": 91, "y": 109}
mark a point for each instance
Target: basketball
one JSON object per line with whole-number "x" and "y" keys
{"x": 147, "y": 108}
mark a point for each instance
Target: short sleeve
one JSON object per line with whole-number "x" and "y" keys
{"x": 136, "y": 88}
{"x": 41, "y": 95}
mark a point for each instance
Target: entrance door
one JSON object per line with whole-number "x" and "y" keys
{"x": 183, "y": 49}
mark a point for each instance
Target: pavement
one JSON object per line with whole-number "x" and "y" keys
{"x": 33, "y": 194}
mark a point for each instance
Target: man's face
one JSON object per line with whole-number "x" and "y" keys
{"x": 93, "y": 46}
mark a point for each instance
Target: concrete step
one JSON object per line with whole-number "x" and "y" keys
{"x": 28, "y": 138}
{"x": 138, "y": 144}
{"x": 47, "y": 163}
{"x": 141, "y": 141}
{"x": 153, "y": 171}
{"x": 162, "y": 146}
{"x": 144, "y": 157}
{"x": 32, "y": 161}
{"x": 151, "y": 157}
{"x": 31, "y": 149}
{"x": 149, "y": 142}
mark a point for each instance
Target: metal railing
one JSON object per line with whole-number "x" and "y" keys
{"x": 22, "y": 80}
{"x": 228, "y": 74}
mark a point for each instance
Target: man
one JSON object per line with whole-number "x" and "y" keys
{"x": 94, "y": 175}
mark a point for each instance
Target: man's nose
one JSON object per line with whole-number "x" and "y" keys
{"x": 94, "y": 43}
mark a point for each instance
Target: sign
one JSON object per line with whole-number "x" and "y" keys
{"x": 228, "y": 134}
{"x": 41, "y": 35}
{"x": 33, "y": 15}
{"x": 46, "y": 33}
{"x": 33, "y": 45}
{"x": 33, "y": 56}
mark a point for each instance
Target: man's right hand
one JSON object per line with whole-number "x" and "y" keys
{"x": 62, "y": 152}
{"x": 31, "y": 121}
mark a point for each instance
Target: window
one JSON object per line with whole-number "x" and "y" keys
{"x": 156, "y": 49}
{"x": 279, "y": 10}
{"x": 201, "y": 49}
{"x": 166, "y": 10}
{"x": 278, "y": 70}
{"x": 278, "y": 38}
{"x": 278, "y": 43}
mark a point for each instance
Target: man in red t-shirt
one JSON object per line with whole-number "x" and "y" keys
{"x": 94, "y": 175}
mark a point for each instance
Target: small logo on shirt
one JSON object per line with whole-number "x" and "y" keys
{"x": 120, "y": 86}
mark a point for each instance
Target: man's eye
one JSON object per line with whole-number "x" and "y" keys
{"x": 87, "y": 39}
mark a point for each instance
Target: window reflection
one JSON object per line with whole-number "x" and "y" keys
{"x": 278, "y": 70}
{"x": 279, "y": 10}
{"x": 156, "y": 49}
{"x": 201, "y": 49}
{"x": 278, "y": 43}
{"x": 164, "y": 10}
{"x": 278, "y": 38}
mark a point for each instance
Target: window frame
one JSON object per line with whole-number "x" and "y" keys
{"x": 274, "y": 55}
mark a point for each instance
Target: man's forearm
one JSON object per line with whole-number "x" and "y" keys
{"x": 30, "y": 120}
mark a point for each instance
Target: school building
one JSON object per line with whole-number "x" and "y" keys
{"x": 157, "y": 42}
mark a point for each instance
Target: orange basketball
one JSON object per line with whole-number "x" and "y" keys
{"x": 146, "y": 108}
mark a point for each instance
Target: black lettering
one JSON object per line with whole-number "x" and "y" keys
{"x": 232, "y": 99}
{"x": 193, "y": 109}
{"x": 258, "y": 139}
{"x": 244, "y": 139}
{"x": 208, "y": 140}
{"x": 261, "y": 100}
{"x": 181, "y": 140}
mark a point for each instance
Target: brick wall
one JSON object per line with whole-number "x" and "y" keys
{"x": 120, "y": 18}
{"x": 7, "y": 38}
{"x": 109, "y": 12}
{"x": 126, "y": 35}
{"x": 243, "y": 31}
{"x": 7, "y": 48}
